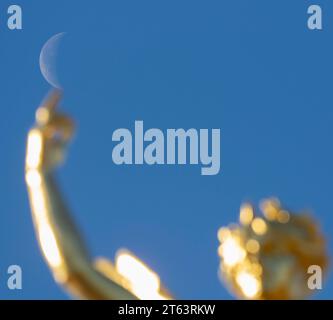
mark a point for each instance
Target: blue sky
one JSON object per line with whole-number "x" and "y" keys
{"x": 250, "y": 68}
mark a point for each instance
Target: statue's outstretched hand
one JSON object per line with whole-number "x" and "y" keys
{"x": 48, "y": 139}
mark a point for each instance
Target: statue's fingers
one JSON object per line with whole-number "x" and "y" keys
{"x": 48, "y": 107}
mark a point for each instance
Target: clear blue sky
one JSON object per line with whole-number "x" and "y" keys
{"x": 250, "y": 68}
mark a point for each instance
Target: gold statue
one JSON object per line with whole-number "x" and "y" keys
{"x": 268, "y": 257}
{"x": 59, "y": 239}
{"x": 262, "y": 258}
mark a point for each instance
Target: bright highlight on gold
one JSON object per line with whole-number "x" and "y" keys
{"x": 143, "y": 282}
{"x": 249, "y": 284}
{"x": 34, "y": 150}
{"x": 232, "y": 251}
{"x": 259, "y": 226}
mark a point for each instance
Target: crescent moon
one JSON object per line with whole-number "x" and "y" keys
{"x": 48, "y": 60}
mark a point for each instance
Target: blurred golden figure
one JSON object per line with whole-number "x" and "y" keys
{"x": 59, "y": 239}
{"x": 268, "y": 257}
{"x": 261, "y": 258}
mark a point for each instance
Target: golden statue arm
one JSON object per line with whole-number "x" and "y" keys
{"x": 60, "y": 241}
